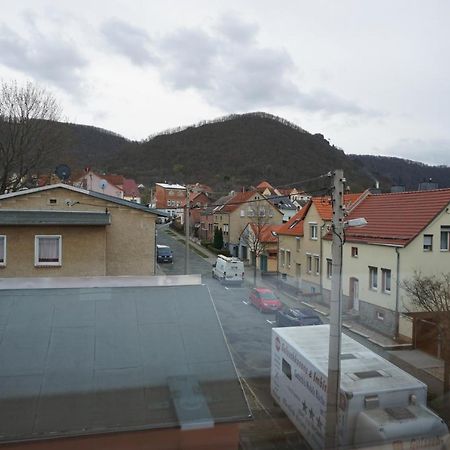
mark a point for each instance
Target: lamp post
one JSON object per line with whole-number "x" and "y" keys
{"x": 275, "y": 234}
{"x": 186, "y": 226}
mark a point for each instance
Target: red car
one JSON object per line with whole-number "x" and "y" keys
{"x": 265, "y": 300}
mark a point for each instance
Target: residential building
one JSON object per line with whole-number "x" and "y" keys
{"x": 406, "y": 233}
{"x": 300, "y": 243}
{"x": 169, "y": 198}
{"x": 285, "y": 205}
{"x": 243, "y": 207}
{"x": 198, "y": 202}
{"x": 258, "y": 244}
{"x": 61, "y": 230}
{"x": 106, "y": 363}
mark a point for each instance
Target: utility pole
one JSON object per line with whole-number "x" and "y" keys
{"x": 187, "y": 212}
{"x": 334, "y": 355}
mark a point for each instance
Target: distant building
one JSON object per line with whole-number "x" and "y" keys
{"x": 169, "y": 198}
{"x": 428, "y": 185}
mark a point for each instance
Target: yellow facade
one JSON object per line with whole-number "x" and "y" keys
{"x": 125, "y": 247}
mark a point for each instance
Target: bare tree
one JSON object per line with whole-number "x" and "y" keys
{"x": 252, "y": 235}
{"x": 432, "y": 294}
{"x": 27, "y": 133}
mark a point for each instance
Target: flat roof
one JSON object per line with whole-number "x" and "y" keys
{"x": 51, "y": 217}
{"x": 312, "y": 342}
{"x": 91, "y": 360}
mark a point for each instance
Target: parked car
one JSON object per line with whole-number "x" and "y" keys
{"x": 292, "y": 317}
{"x": 228, "y": 269}
{"x": 164, "y": 254}
{"x": 265, "y": 300}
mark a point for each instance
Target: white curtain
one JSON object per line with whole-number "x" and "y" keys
{"x": 49, "y": 249}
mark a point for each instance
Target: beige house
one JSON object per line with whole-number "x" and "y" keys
{"x": 239, "y": 210}
{"x": 61, "y": 230}
{"x": 301, "y": 245}
{"x": 407, "y": 232}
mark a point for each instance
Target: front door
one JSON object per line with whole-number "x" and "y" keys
{"x": 263, "y": 263}
{"x": 354, "y": 293}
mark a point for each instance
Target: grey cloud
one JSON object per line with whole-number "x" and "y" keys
{"x": 231, "y": 71}
{"x": 429, "y": 151}
{"x": 43, "y": 57}
{"x": 129, "y": 41}
{"x": 235, "y": 29}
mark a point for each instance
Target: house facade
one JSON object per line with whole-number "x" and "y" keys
{"x": 239, "y": 210}
{"x": 169, "y": 198}
{"x": 407, "y": 233}
{"x": 61, "y": 230}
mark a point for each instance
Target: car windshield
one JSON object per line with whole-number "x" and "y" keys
{"x": 268, "y": 295}
{"x": 164, "y": 251}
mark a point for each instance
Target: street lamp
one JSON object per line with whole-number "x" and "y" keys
{"x": 275, "y": 234}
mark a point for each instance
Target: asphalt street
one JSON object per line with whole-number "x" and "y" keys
{"x": 248, "y": 333}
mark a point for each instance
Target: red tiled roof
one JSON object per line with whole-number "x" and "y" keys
{"x": 396, "y": 218}
{"x": 324, "y": 208}
{"x": 130, "y": 188}
{"x": 294, "y": 227}
{"x": 263, "y": 185}
{"x": 117, "y": 180}
{"x": 266, "y": 235}
{"x": 236, "y": 201}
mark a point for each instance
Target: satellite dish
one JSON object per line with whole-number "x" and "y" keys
{"x": 62, "y": 171}
{"x": 102, "y": 184}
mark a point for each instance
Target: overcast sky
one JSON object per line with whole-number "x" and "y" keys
{"x": 371, "y": 76}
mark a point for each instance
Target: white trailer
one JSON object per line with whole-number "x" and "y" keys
{"x": 380, "y": 405}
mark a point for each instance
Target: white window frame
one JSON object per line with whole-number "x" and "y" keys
{"x": 308, "y": 263}
{"x": 282, "y": 257}
{"x": 297, "y": 243}
{"x": 316, "y": 265}
{"x": 384, "y": 273}
{"x": 313, "y": 226}
{"x": 354, "y": 252}
{"x": 3, "y": 263}
{"x": 242, "y": 212}
{"x": 428, "y": 243}
{"x": 445, "y": 230}
{"x": 373, "y": 278}
{"x": 329, "y": 268}
{"x": 38, "y": 263}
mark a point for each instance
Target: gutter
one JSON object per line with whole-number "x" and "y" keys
{"x": 322, "y": 227}
{"x": 397, "y": 297}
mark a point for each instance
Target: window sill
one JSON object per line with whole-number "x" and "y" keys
{"x": 48, "y": 265}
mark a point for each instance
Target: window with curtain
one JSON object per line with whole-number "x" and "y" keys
{"x": 48, "y": 250}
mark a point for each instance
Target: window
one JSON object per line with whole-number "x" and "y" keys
{"x": 313, "y": 231}
{"x": 52, "y": 201}
{"x": 262, "y": 212}
{"x": 445, "y": 238}
{"x": 288, "y": 258}
{"x": 329, "y": 268}
{"x": 316, "y": 265}
{"x": 297, "y": 242}
{"x": 282, "y": 256}
{"x": 242, "y": 213}
{"x": 373, "y": 278}
{"x": 309, "y": 263}
{"x": 386, "y": 280}
{"x": 2, "y": 250}
{"x": 427, "y": 242}
{"x": 354, "y": 252}
{"x": 250, "y": 212}
{"x": 47, "y": 251}
{"x": 225, "y": 228}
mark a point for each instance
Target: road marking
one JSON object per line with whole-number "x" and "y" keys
{"x": 227, "y": 288}
{"x": 245, "y": 302}
{"x": 271, "y": 322}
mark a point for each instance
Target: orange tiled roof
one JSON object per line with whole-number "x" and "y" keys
{"x": 236, "y": 201}
{"x": 396, "y": 218}
{"x": 324, "y": 208}
{"x": 266, "y": 235}
{"x": 263, "y": 185}
{"x": 294, "y": 227}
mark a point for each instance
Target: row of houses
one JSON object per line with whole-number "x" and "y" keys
{"x": 407, "y": 233}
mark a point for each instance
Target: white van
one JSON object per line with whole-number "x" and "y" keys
{"x": 228, "y": 269}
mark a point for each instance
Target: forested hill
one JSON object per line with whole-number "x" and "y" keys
{"x": 238, "y": 150}
{"x": 403, "y": 172}
{"x": 234, "y": 151}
